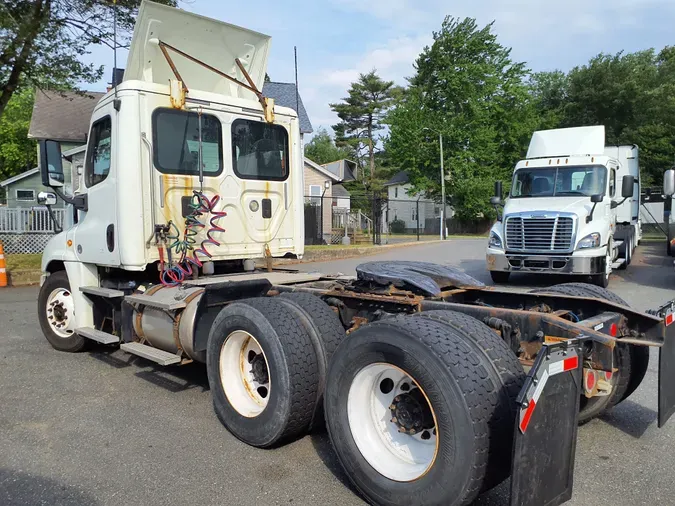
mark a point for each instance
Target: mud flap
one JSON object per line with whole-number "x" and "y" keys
{"x": 545, "y": 438}
{"x": 667, "y": 365}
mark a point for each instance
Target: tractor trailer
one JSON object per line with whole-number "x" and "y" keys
{"x": 432, "y": 386}
{"x": 573, "y": 208}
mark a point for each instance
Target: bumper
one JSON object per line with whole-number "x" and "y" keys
{"x": 555, "y": 264}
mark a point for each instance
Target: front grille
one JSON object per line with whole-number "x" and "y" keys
{"x": 539, "y": 234}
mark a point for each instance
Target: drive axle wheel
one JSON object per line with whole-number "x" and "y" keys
{"x": 390, "y": 415}
{"x": 244, "y": 373}
{"x": 632, "y": 361}
{"x": 262, "y": 371}
{"x": 408, "y": 406}
{"x": 56, "y": 312}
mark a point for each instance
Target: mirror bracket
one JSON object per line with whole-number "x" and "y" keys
{"x": 80, "y": 202}
{"x": 595, "y": 199}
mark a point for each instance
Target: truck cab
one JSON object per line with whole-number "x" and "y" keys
{"x": 572, "y": 209}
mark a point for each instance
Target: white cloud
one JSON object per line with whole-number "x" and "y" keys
{"x": 393, "y": 61}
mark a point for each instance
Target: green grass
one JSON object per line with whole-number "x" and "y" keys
{"x": 23, "y": 262}
{"x": 320, "y": 247}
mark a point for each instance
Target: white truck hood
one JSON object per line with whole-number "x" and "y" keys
{"x": 213, "y": 42}
{"x": 580, "y": 206}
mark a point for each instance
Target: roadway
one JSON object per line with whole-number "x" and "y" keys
{"x": 103, "y": 428}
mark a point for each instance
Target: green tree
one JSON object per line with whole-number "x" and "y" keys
{"x": 41, "y": 41}
{"x": 468, "y": 89}
{"x": 361, "y": 116}
{"x": 321, "y": 149}
{"x": 17, "y": 151}
{"x": 631, "y": 94}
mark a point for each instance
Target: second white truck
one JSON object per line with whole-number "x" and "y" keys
{"x": 573, "y": 208}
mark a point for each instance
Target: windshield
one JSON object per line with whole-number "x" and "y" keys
{"x": 559, "y": 181}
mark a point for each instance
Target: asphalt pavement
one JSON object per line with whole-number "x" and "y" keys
{"x": 104, "y": 428}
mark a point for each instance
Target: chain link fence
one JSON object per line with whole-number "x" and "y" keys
{"x": 377, "y": 219}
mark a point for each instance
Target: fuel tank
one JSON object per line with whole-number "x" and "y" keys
{"x": 170, "y": 329}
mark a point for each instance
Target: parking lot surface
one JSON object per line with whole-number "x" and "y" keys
{"x": 105, "y": 428}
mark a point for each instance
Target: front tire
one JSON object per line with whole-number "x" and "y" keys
{"x": 426, "y": 377}
{"x": 262, "y": 371}
{"x": 500, "y": 277}
{"x": 56, "y": 313}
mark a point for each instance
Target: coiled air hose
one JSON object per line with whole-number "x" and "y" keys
{"x": 184, "y": 247}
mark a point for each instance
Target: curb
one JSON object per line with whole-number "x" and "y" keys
{"x": 338, "y": 253}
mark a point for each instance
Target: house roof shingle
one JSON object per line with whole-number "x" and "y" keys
{"x": 285, "y": 96}
{"x": 399, "y": 178}
{"x": 340, "y": 191}
{"x": 62, "y": 116}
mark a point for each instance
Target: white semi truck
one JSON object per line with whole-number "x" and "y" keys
{"x": 573, "y": 208}
{"x": 433, "y": 388}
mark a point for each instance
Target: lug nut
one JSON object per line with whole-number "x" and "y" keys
{"x": 394, "y": 420}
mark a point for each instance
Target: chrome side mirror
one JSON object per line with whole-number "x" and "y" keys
{"x": 46, "y": 198}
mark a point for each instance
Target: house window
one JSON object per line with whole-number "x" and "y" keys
{"x": 315, "y": 194}
{"x": 25, "y": 195}
{"x": 259, "y": 150}
{"x": 98, "y": 152}
{"x": 176, "y": 142}
{"x": 414, "y": 214}
{"x": 396, "y": 192}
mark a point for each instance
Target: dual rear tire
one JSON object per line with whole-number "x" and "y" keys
{"x": 266, "y": 363}
{"x": 420, "y": 408}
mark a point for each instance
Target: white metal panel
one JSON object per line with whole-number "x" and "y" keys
{"x": 567, "y": 142}
{"x": 628, "y": 164}
{"x": 211, "y": 41}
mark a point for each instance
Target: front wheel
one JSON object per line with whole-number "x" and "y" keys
{"x": 56, "y": 313}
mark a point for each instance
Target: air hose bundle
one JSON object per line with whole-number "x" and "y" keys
{"x": 184, "y": 247}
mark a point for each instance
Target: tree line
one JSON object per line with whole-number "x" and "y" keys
{"x": 468, "y": 89}
{"x": 465, "y": 87}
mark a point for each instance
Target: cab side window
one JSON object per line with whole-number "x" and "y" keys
{"x": 97, "y": 165}
{"x": 612, "y": 183}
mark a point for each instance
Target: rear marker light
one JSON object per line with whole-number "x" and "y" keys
{"x": 558, "y": 367}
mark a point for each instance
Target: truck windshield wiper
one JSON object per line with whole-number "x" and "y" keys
{"x": 571, "y": 192}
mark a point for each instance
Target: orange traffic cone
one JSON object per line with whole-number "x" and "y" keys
{"x": 3, "y": 267}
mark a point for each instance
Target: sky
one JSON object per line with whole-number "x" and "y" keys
{"x": 338, "y": 39}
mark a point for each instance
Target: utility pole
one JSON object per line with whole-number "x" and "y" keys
{"x": 440, "y": 138}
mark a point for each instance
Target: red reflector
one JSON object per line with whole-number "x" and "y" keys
{"x": 571, "y": 363}
{"x": 590, "y": 380}
{"x": 526, "y": 417}
{"x": 613, "y": 329}
{"x": 669, "y": 318}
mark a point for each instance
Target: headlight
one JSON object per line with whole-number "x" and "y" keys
{"x": 590, "y": 241}
{"x": 495, "y": 241}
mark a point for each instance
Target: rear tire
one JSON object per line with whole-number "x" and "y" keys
{"x": 506, "y": 372}
{"x": 451, "y": 375}
{"x": 56, "y": 313}
{"x": 500, "y": 277}
{"x": 632, "y": 361}
{"x": 326, "y": 331}
{"x": 263, "y": 372}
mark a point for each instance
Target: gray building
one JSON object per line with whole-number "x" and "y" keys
{"x": 59, "y": 116}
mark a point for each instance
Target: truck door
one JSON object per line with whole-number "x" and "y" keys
{"x": 96, "y": 235}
